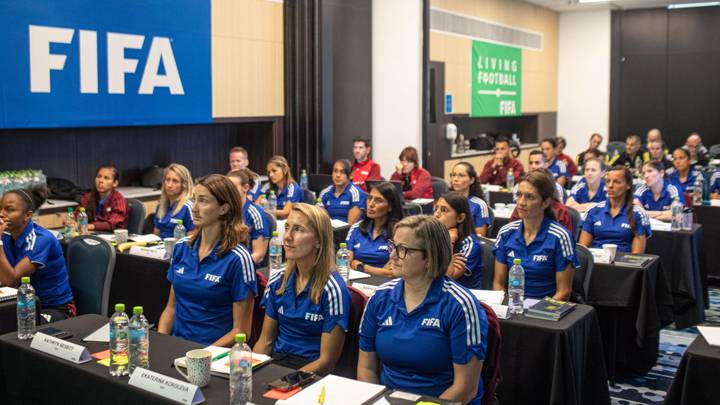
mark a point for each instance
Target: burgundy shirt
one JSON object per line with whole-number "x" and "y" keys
{"x": 417, "y": 185}
{"x": 114, "y": 213}
{"x": 498, "y": 176}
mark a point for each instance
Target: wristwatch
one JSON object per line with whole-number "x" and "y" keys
{"x": 360, "y": 267}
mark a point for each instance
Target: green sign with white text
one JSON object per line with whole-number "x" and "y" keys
{"x": 496, "y": 80}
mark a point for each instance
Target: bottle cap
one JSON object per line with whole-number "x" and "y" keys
{"x": 70, "y": 209}
{"x": 240, "y": 338}
{"x": 274, "y": 233}
{"x": 179, "y": 221}
{"x": 343, "y": 245}
{"x": 137, "y": 310}
{"x": 25, "y": 280}
{"x": 119, "y": 307}
{"x": 82, "y": 209}
{"x": 516, "y": 261}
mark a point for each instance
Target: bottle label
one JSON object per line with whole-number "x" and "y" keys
{"x": 515, "y": 283}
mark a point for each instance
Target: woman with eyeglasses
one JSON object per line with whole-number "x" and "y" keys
{"x": 545, "y": 248}
{"x": 423, "y": 332}
{"x": 463, "y": 179}
{"x": 590, "y": 190}
{"x": 343, "y": 200}
{"x": 656, "y": 195}
{"x": 453, "y": 211}
{"x": 307, "y": 305}
{"x": 367, "y": 240}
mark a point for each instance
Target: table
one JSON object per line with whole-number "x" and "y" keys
{"x": 548, "y": 362}
{"x": 29, "y": 376}
{"x": 696, "y": 376}
{"x": 8, "y": 316}
{"x": 633, "y": 304}
{"x": 709, "y": 217}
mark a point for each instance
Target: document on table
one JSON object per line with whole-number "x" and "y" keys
{"x": 101, "y": 335}
{"x": 338, "y": 390}
{"x": 711, "y": 334}
{"x": 489, "y": 296}
{"x": 336, "y": 223}
{"x": 657, "y": 225}
{"x": 357, "y": 275}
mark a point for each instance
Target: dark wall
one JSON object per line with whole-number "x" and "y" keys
{"x": 665, "y": 73}
{"x": 75, "y": 153}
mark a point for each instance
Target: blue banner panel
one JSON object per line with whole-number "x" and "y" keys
{"x": 77, "y": 63}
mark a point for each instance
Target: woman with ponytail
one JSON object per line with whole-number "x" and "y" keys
{"x": 617, "y": 220}
{"x": 212, "y": 273}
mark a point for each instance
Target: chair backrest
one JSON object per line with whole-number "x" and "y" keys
{"x": 91, "y": 263}
{"x": 308, "y": 196}
{"x": 575, "y": 216}
{"x": 615, "y": 147}
{"x": 136, "y": 219}
{"x": 491, "y": 212}
{"x": 439, "y": 187}
{"x": 583, "y": 275}
{"x": 273, "y": 223}
{"x": 347, "y": 365}
{"x": 714, "y": 151}
{"x": 149, "y": 224}
{"x": 258, "y": 311}
{"x": 491, "y": 375}
{"x": 488, "y": 262}
{"x": 318, "y": 182}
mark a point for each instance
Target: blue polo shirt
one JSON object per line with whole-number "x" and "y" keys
{"x": 166, "y": 224}
{"x": 715, "y": 182}
{"x": 301, "y": 322}
{"x": 551, "y": 251}
{"x": 291, "y": 193}
{"x": 50, "y": 279}
{"x": 682, "y": 186}
{"x": 645, "y": 195}
{"x": 257, "y": 220}
{"x": 558, "y": 168}
{"x": 206, "y": 290}
{"x": 375, "y": 252}
{"x": 417, "y": 350}
{"x": 256, "y": 191}
{"x": 472, "y": 251}
{"x": 339, "y": 206}
{"x": 605, "y": 228}
{"x": 581, "y": 192}
{"x": 479, "y": 210}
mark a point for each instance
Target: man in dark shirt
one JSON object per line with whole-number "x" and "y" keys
{"x": 495, "y": 171}
{"x": 633, "y": 157}
{"x": 699, "y": 155}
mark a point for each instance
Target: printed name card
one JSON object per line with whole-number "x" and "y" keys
{"x": 167, "y": 387}
{"x": 60, "y": 348}
{"x": 153, "y": 253}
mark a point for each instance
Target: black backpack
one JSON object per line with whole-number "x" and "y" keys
{"x": 63, "y": 189}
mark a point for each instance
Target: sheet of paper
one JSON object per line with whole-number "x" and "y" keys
{"x": 101, "y": 335}
{"x": 711, "y": 334}
{"x": 338, "y": 390}
{"x": 501, "y": 311}
{"x": 489, "y": 296}
{"x": 106, "y": 236}
{"x": 336, "y": 223}
{"x": 422, "y": 201}
{"x": 530, "y": 302}
{"x": 656, "y": 225}
{"x": 357, "y": 275}
{"x": 503, "y": 213}
{"x": 145, "y": 238}
{"x": 715, "y": 203}
{"x": 382, "y": 401}
{"x": 56, "y": 234}
{"x": 367, "y": 289}
{"x": 491, "y": 187}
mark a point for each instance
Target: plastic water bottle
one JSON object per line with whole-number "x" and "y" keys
{"x": 119, "y": 342}
{"x": 276, "y": 253}
{"x": 304, "y": 180}
{"x": 26, "y": 310}
{"x": 319, "y": 203}
{"x": 272, "y": 201}
{"x": 179, "y": 231}
{"x": 676, "y": 211}
{"x": 263, "y": 202}
{"x": 510, "y": 180}
{"x": 240, "y": 372}
{"x": 71, "y": 227}
{"x": 342, "y": 262}
{"x": 698, "y": 187}
{"x": 139, "y": 340}
{"x": 82, "y": 219}
{"x": 516, "y": 288}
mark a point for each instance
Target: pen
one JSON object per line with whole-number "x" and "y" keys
{"x": 321, "y": 397}
{"x": 220, "y": 356}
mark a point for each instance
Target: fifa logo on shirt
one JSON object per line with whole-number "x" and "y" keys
{"x": 434, "y": 322}
{"x": 624, "y": 226}
{"x": 181, "y": 270}
{"x": 344, "y": 202}
{"x": 213, "y": 278}
{"x": 540, "y": 258}
{"x": 383, "y": 247}
{"x": 309, "y": 316}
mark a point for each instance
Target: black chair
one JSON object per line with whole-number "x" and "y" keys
{"x": 91, "y": 263}
{"x": 273, "y": 223}
{"x": 575, "y": 216}
{"x": 439, "y": 187}
{"x": 714, "y": 151}
{"x": 136, "y": 218}
{"x": 581, "y": 280}
{"x": 309, "y": 197}
{"x": 491, "y": 212}
{"x": 318, "y": 182}
{"x": 149, "y": 224}
{"x": 615, "y": 148}
{"x": 488, "y": 267}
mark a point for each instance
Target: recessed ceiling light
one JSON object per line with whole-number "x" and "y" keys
{"x": 693, "y": 5}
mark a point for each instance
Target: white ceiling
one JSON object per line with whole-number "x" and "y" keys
{"x": 574, "y": 5}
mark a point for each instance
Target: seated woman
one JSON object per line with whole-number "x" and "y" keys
{"x": 175, "y": 201}
{"x": 343, "y": 200}
{"x": 29, "y": 250}
{"x": 656, "y": 195}
{"x": 557, "y": 167}
{"x": 283, "y": 185}
{"x": 617, "y": 220}
{"x": 453, "y": 211}
{"x": 254, "y": 217}
{"x": 307, "y": 306}
{"x": 107, "y": 209}
{"x": 212, "y": 275}
{"x": 590, "y": 190}
{"x": 546, "y": 248}
{"x": 683, "y": 175}
{"x": 367, "y": 240}
{"x": 463, "y": 179}
{"x": 416, "y": 181}
{"x": 423, "y": 332}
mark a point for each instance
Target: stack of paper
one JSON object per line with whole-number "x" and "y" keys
{"x": 338, "y": 390}
{"x": 7, "y": 293}
{"x": 711, "y": 334}
{"x": 656, "y": 225}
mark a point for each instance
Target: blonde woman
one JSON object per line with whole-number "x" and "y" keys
{"x": 175, "y": 204}
{"x": 307, "y": 305}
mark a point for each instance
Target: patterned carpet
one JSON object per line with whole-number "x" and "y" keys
{"x": 651, "y": 388}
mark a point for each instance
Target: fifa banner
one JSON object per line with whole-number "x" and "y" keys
{"x": 496, "y": 80}
{"x": 77, "y": 63}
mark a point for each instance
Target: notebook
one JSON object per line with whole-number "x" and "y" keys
{"x": 7, "y": 294}
{"x": 221, "y": 367}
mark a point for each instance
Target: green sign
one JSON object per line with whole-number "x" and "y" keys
{"x": 496, "y": 80}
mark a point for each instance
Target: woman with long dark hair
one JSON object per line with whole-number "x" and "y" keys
{"x": 657, "y": 194}
{"x": 283, "y": 185}
{"x": 107, "y": 209}
{"x": 464, "y": 179}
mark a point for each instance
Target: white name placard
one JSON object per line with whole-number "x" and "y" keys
{"x": 60, "y": 348}
{"x": 153, "y": 253}
{"x": 167, "y": 387}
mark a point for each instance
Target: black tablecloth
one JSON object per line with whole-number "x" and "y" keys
{"x": 140, "y": 281}
{"x": 709, "y": 217}
{"x": 8, "y": 317}
{"x": 29, "y": 376}
{"x": 546, "y": 362}
{"x": 633, "y": 304}
{"x": 696, "y": 376}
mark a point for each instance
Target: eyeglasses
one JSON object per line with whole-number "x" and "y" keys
{"x": 401, "y": 250}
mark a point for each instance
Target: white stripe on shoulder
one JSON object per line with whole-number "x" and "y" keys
{"x": 640, "y": 190}
{"x": 352, "y": 229}
{"x": 467, "y": 246}
{"x": 246, "y": 262}
{"x": 256, "y": 218}
{"x": 565, "y": 240}
{"x": 335, "y": 298}
{"x": 577, "y": 187}
{"x": 183, "y": 240}
{"x": 325, "y": 191}
{"x": 470, "y": 310}
{"x": 509, "y": 227}
{"x": 354, "y": 193}
{"x": 644, "y": 218}
{"x": 714, "y": 177}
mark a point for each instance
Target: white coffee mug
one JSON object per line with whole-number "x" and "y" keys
{"x": 121, "y": 236}
{"x": 198, "y": 367}
{"x": 611, "y": 250}
{"x": 169, "y": 244}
